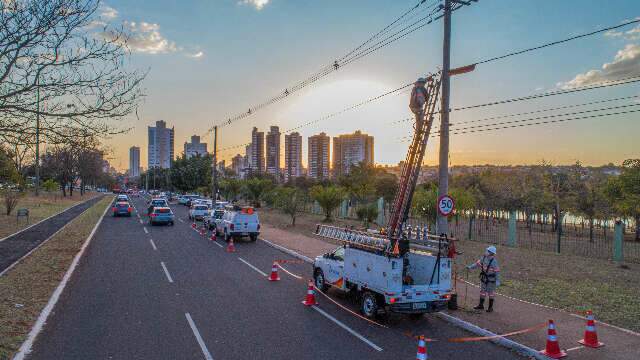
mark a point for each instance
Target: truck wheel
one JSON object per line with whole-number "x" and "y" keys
{"x": 253, "y": 237}
{"x": 369, "y": 305}
{"x": 318, "y": 281}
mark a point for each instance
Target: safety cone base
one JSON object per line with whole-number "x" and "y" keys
{"x": 594, "y": 346}
{"x": 274, "y": 279}
{"x": 558, "y": 355}
{"x": 309, "y": 303}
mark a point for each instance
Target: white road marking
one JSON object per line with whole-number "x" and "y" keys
{"x": 196, "y": 333}
{"x": 153, "y": 245}
{"x": 218, "y": 244}
{"x": 180, "y": 220}
{"x": 145, "y": 229}
{"x": 348, "y": 329}
{"x": 141, "y": 221}
{"x": 166, "y": 272}
{"x": 575, "y": 348}
{"x": 25, "y": 348}
{"x": 288, "y": 272}
{"x": 253, "y": 267}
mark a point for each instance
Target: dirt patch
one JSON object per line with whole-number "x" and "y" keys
{"x": 40, "y": 207}
{"x": 25, "y": 290}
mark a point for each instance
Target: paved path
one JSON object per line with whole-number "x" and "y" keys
{"x": 143, "y": 292}
{"x": 17, "y": 245}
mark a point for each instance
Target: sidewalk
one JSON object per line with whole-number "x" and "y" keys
{"x": 509, "y": 315}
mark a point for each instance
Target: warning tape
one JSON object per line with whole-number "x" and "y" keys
{"x": 290, "y": 261}
{"x": 482, "y": 338}
{"x": 288, "y": 272}
{"x": 348, "y": 310}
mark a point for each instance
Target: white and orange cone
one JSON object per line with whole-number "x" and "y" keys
{"x": 203, "y": 232}
{"x": 274, "y": 272}
{"x": 590, "y": 334}
{"x": 422, "y": 349}
{"x": 310, "y": 299}
{"x": 213, "y": 236}
{"x": 552, "y": 349}
{"x": 230, "y": 247}
{"x": 193, "y": 225}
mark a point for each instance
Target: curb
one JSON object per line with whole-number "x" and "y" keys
{"x": 504, "y": 342}
{"x": 25, "y": 348}
{"x": 288, "y": 251}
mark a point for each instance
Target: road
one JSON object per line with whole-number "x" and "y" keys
{"x": 15, "y": 246}
{"x": 143, "y": 292}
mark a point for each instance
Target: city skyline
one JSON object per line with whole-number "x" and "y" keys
{"x": 180, "y": 89}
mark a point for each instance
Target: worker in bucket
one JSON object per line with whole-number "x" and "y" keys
{"x": 489, "y": 276}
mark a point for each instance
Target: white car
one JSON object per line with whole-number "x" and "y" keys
{"x": 122, "y": 197}
{"x": 215, "y": 219}
{"x": 198, "y": 212}
{"x": 239, "y": 222}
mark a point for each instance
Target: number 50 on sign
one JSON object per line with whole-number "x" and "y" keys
{"x": 445, "y": 205}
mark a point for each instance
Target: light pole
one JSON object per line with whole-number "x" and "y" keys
{"x": 37, "y": 164}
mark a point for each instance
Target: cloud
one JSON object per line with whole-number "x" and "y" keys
{"x": 143, "y": 37}
{"x": 108, "y": 13}
{"x": 196, "y": 55}
{"x": 625, "y": 64}
{"x": 630, "y": 35}
{"x": 258, "y": 4}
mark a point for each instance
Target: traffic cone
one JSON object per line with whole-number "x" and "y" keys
{"x": 552, "y": 349}
{"x": 213, "y": 236}
{"x": 193, "y": 225}
{"x": 422, "y": 349}
{"x": 274, "y": 272}
{"x": 230, "y": 247}
{"x": 202, "y": 231}
{"x": 310, "y": 299}
{"x": 590, "y": 334}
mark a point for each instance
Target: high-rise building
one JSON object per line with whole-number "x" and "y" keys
{"x": 318, "y": 156}
{"x": 195, "y": 147}
{"x": 273, "y": 152}
{"x": 257, "y": 151}
{"x": 134, "y": 161}
{"x": 292, "y": 156}
{"x": 351, "y": 149}
{"x": 161, "y": 144}
{"x": 237, "y": 165}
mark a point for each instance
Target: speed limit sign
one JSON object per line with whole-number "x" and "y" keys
{"x": 445, "y": 205}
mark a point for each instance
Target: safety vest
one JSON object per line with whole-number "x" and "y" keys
{"x": 418, "y": 98}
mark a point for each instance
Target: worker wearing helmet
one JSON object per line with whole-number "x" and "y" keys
{"x": 489, "y": 276}
{"x": 418, "y": 97}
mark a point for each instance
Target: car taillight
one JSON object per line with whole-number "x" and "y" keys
{"x": 153, "y": 215}
{"x": 392, "y": 300}
{"x": 231, "y": 226}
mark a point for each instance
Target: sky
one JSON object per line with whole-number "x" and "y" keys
{"x": 209, "y": 60}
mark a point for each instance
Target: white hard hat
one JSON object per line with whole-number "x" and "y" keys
{"x": 491, "y": 249}
{"x": 421, "y": 80}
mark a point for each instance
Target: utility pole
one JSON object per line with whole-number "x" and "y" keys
{"x": 442, "y": 225}
{"x": 214, "y": 182}
{"x": 37, "y": 163}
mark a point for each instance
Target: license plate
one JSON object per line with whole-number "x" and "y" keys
{"x": 419, "y": 306}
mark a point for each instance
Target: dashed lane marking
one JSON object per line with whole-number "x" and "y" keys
{"x": 145, "y": 229}
{"x": 348, "y": 329}
{"x": 220, "y": 245}
{"x": 153, "y": 244}
{"x": 166, "y": 272}
{"x": 141, "y": 221}
{"x": 196, "y": 333}
{"x": 253, "y": 267}
{"x": 181, "y": 220}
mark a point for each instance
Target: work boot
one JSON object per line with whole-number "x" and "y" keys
{"x": 490, "y": 308}
{"x": 481, "y": 305}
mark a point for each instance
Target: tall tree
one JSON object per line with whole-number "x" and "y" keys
{"x": 624, "y": 191}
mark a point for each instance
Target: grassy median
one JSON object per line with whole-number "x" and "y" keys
{"x": 25, "y": 289}
{"x": 40, "y": 207}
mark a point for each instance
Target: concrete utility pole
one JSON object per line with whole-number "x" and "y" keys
{"x": 214, "y": 183}
{"x": 37, "y": 163}
{"x": 442, "y": 226}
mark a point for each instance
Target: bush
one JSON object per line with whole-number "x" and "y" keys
{"x": 367, "y": 214}
{"x": 329, "y": 198}
{"x": 10, "y": 200}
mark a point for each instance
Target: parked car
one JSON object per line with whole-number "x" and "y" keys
{"x": 122, "y": 197}
{"x": 122, "y": 208}
{"x": 198, "y": 212}
{"x": 214, "y": 219}
{"x": 161, "y": 215}
{"x": 239, "y": 222}
{"x": 156, "y": 203}
{"x": 190, "y": 199}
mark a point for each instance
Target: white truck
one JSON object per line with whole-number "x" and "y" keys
{"x": 416, "y": 283}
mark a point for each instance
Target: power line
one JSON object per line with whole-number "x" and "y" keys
{"x": 557, "y": 42}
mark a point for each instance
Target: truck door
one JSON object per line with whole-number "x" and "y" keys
{"x": 335, "y": 265}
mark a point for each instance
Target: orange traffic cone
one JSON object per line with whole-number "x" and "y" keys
{"x": 193, "y": 225}
{"x": 274, "y": 272}
{"x": 202, "y": 231}
{"x": 310, "y": 299}
{"x": 213, "y": 236}
{"x": 590, "y": 334}
{"x": 552, "y": 349}
{"x": 230, "y": 247}
{"x": 422, "y": 349}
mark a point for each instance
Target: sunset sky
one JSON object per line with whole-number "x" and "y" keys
{"x": 209, "y": 60}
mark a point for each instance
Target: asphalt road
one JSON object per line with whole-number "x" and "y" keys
{"x": 143, "y": 292}
{"x": 16, "y": 246}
